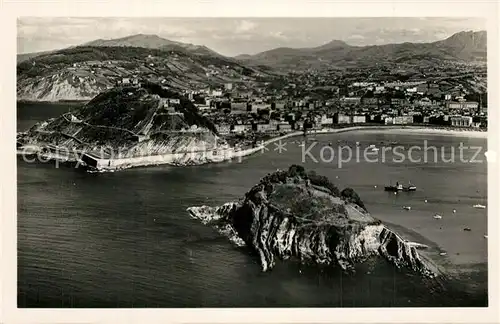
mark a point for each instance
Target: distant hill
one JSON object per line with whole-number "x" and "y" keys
{"x": 82, "y": 72}
{"x": 151, "y": 41}
{"x": 26, "y": 56}
{"x": 462, "y": 46}
{"x": 138, "y": 40}
{"x": 468, "y": 46}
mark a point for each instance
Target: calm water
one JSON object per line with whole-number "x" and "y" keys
{"x": 124, "y": 239}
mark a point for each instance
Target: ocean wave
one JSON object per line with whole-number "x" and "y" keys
{"x": 216, "y": 218}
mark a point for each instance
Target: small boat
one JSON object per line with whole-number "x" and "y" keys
{"x": 437, "y": 216}
{"x": 479, "y": 206}
{"x": 406, "y": 207}
{"x": 397, "y": 187}
{"x": 374, "y": 149}
{"x": 371, "y": 146}
{"x": 467, "y": 229}
{"x": 410, "y": 188}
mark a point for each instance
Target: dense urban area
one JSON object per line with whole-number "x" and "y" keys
{"x": 453, "y": 96}
{"x": 246, "y": 100}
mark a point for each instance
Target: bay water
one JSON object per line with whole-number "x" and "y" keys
{"x": 124, "y": 239}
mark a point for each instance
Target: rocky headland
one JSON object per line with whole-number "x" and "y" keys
{"x": 299, "y": 215}
{"x": 136, "y": 122}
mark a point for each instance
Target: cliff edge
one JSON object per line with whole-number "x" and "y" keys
{"x": 299, "y": 215}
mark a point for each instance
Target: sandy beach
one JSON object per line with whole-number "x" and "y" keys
{"x": 406, "y": 130}
{"x": 436, "y": 131}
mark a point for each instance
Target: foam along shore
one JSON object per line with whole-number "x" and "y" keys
{"x": 224, "y": 153}
{"x": 439, "y": 131}
{"x": 401, "y": 129}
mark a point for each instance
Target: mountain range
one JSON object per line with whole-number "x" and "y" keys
{"x": 463, "y": 46}
{"x": 81, "y": 72}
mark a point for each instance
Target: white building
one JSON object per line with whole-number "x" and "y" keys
{"x": 203, "y": 107}
{"x": 461, "y": 121}
{"x": 402, "y": 120}
{"x": 343, "y": 119}
{"x": 389, "y": 120}
{"x": 326, "y": 120}
{"x": 242, "y": 128}
{"x": 284, "y": 127}
{"x": 359, "y": 119}
{"x": 223, "y": 129}
{"x": 462, "y": 105}
{"x": 265, "y": 128}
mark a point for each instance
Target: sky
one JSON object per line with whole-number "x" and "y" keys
{"x": 234, "y": 36}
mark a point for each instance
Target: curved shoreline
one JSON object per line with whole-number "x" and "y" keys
{"x": 417, "y": 130}
{"x": 213, "y": 156}
{"x": 406, "y": 129}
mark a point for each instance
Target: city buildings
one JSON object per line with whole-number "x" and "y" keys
{"x": 461, "y": 121}
{"x": 461, "y": 105}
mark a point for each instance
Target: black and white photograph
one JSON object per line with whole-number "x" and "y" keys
{"x": 243, "y": 162}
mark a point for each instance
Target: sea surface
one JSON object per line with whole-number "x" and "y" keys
{"x": 124, "y": 239}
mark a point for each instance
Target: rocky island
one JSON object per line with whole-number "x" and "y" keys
{"x": 300, "y": 215}
{"x": 129, "y": 126}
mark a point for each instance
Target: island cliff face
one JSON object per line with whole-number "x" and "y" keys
{"x": 129, "y": 122}
{"x": 297, "y": 215}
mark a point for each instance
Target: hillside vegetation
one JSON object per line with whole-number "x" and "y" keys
{"x": 81, "y": 73}
{"x": 463, "y": 46}
{"x": 131, "y": 119}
